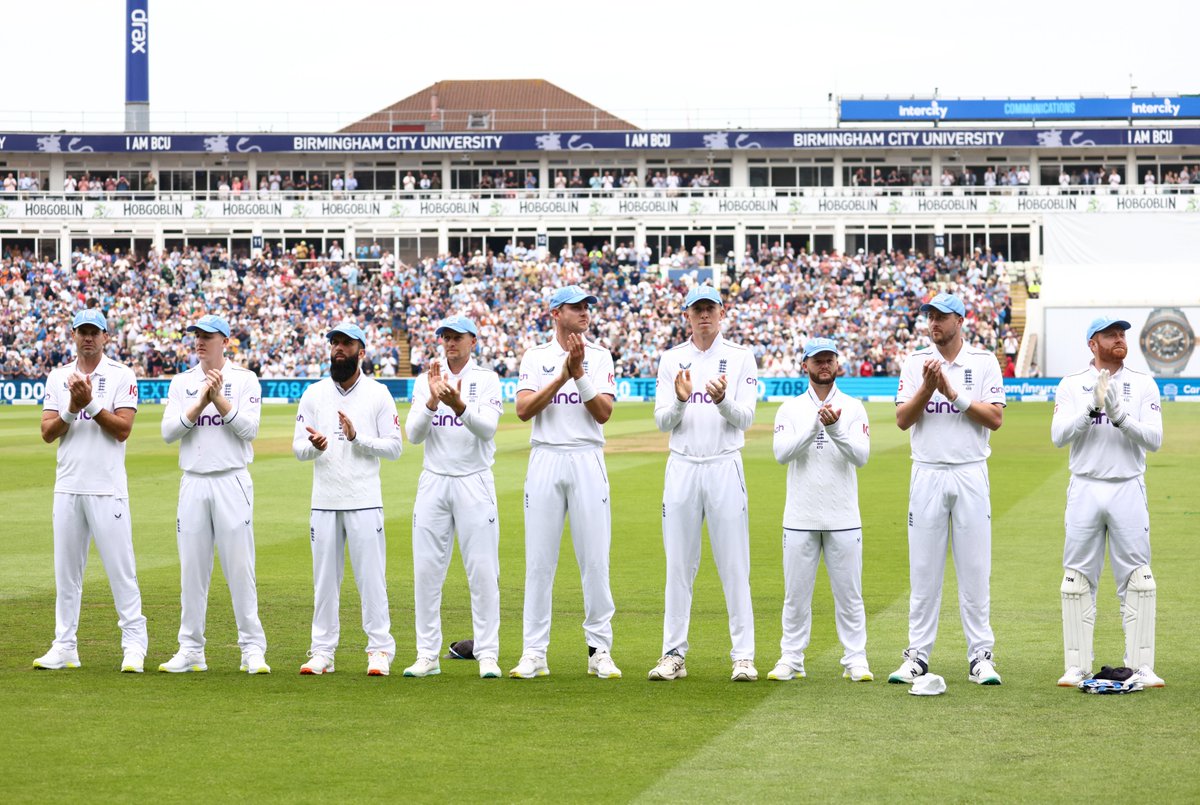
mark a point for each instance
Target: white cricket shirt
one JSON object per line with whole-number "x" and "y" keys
{"x": 346, "y": 474}
{"x": 942, "y": 435}
{"x": 90, "y": 462}
{"x": 700, "y": 428}
{"x": 213, "y": 443}
{"x": 1098, "y": 448}
{"x": 458, "y": 445}
{"x": 566, "y": 422}
{"x": 822, "y": 462}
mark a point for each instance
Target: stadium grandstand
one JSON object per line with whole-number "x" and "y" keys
{"x": 480, "y": 197}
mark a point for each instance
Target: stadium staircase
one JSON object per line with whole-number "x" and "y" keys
{"x": 404, "y": 369}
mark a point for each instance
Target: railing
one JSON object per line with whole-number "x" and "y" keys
{"x": 626, "y": 192}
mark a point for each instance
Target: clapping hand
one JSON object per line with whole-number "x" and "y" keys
{"x": 683, "y": 385}
{"x": 716, "y": 388}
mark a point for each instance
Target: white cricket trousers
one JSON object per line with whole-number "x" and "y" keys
{"x": 715, "y": 491}
{"x": 466, "y": 504}
{"x": 78, "y": 520}
{"x": 1116, "y": 508}
{"x": 843, "y": 561}
{"x": 361, "y": 530}
{"x": 563, "y": 483}
{"x": 949, "y": 503}
{"x": 216, "y": 512}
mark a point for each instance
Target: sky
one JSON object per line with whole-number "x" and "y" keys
{"x": 260, "y": 64}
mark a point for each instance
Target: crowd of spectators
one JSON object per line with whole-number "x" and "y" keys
{"x": 280, "y": 305}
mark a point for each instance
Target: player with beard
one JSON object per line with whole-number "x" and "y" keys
{"x": 567, "y": 388}
{"x": 346, "y": 423}
{"x": 951, "y": 396}
{"x": 89, "y": 409}
{"x": 1110, "y": 415}
{"x": 823, "y": 437}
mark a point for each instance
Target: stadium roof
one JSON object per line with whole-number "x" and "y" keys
{"x": 491, "y": 105}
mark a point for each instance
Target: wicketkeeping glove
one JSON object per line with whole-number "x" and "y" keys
{"x": 1112, "y": 406}
{"x": 1100, "y": 390}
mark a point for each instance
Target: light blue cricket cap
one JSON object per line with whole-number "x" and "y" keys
{"x": 945, "y": 302}
{"x": 569, "y": 295}
{"x": 350, "y": 329}
{"x": 815, "y": 346}
{"x": 90, "y": 316}
{"x": 703, "y": 293}
{"x": 459, "y": 324}
{"x": 210, "y": 324}
{"x": 1103, "y": 323}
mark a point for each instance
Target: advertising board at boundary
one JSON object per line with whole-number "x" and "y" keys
{"x": 31, "y": 391}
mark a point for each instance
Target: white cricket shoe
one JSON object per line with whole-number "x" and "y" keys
{"x": 1072, "y": 677}
{"x": 56, "y": 659}
{"x": 983, "y": 672}
{"x": 317, "y": 664}
{"x": 531, "y": 665}
{"x": 669, "y": 667}
{"x": 601, "y": 665}
{"x": 912, "y": 667}
{"x": 378, "y": 664}
{"x": 744, "y": 671}
{"x": 134, "y": 662}
{"x": 424, "y": 666}
{"x": 858, "y": 673}
{"x": 253, "y": 662}
{"x": 784, "y": 671}
{"x": 1148, "y": 678}
{"x": 488, "y": 669}
{"x": 184, "y": 662}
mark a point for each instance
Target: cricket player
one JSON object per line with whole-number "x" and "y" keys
{"x": 952, "y": 397}
{"x": 213, "y": 412}
{"x": 346, "y": 423}
{"x": 567, "y": 388}
{"x": 90, "y": 405}
{"x": 823, "y": 437}
{"x": 705, "y": 397}
{"x": 455, "y": 412}
{"x": 1110, "y": 415}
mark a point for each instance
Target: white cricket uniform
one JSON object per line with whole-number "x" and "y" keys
{"x": 821, "y": 515}
{"x": 1107, "y": 491}
{"x": 705, "y": 481}
{"x": 216, "y": 500}
{"x": 949, "y": 494}
{"x": 347, "y": 504}
{"x": 91, "y": 502}
{"x": 567, "y": 475}
{"x": 457, "y": 492}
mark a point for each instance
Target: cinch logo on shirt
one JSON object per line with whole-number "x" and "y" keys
{"x": 447, "y": 421}
{"x": 943, "y": 407}
{"x": 216, "y": 420}
{"x": 563, "y": 398}
{"x": 700, "y": 397}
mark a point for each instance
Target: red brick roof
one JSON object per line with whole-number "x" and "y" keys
{"x": 495, "y": 105}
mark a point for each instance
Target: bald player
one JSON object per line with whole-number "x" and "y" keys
{"x": 347, "y": 422}
{"x": 567, "y": 388}
{"x": 951, "y": 397}
{"x": 705, "y": 397}
{"x": 213, "y": 412}
{"x": 824, "y": 438}
{"x": 455, "y": 410}
{"x": 89, "y": 409}
{"x": 1110, "y": 415}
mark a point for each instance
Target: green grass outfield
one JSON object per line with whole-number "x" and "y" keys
{"x": 96, "y": 735}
